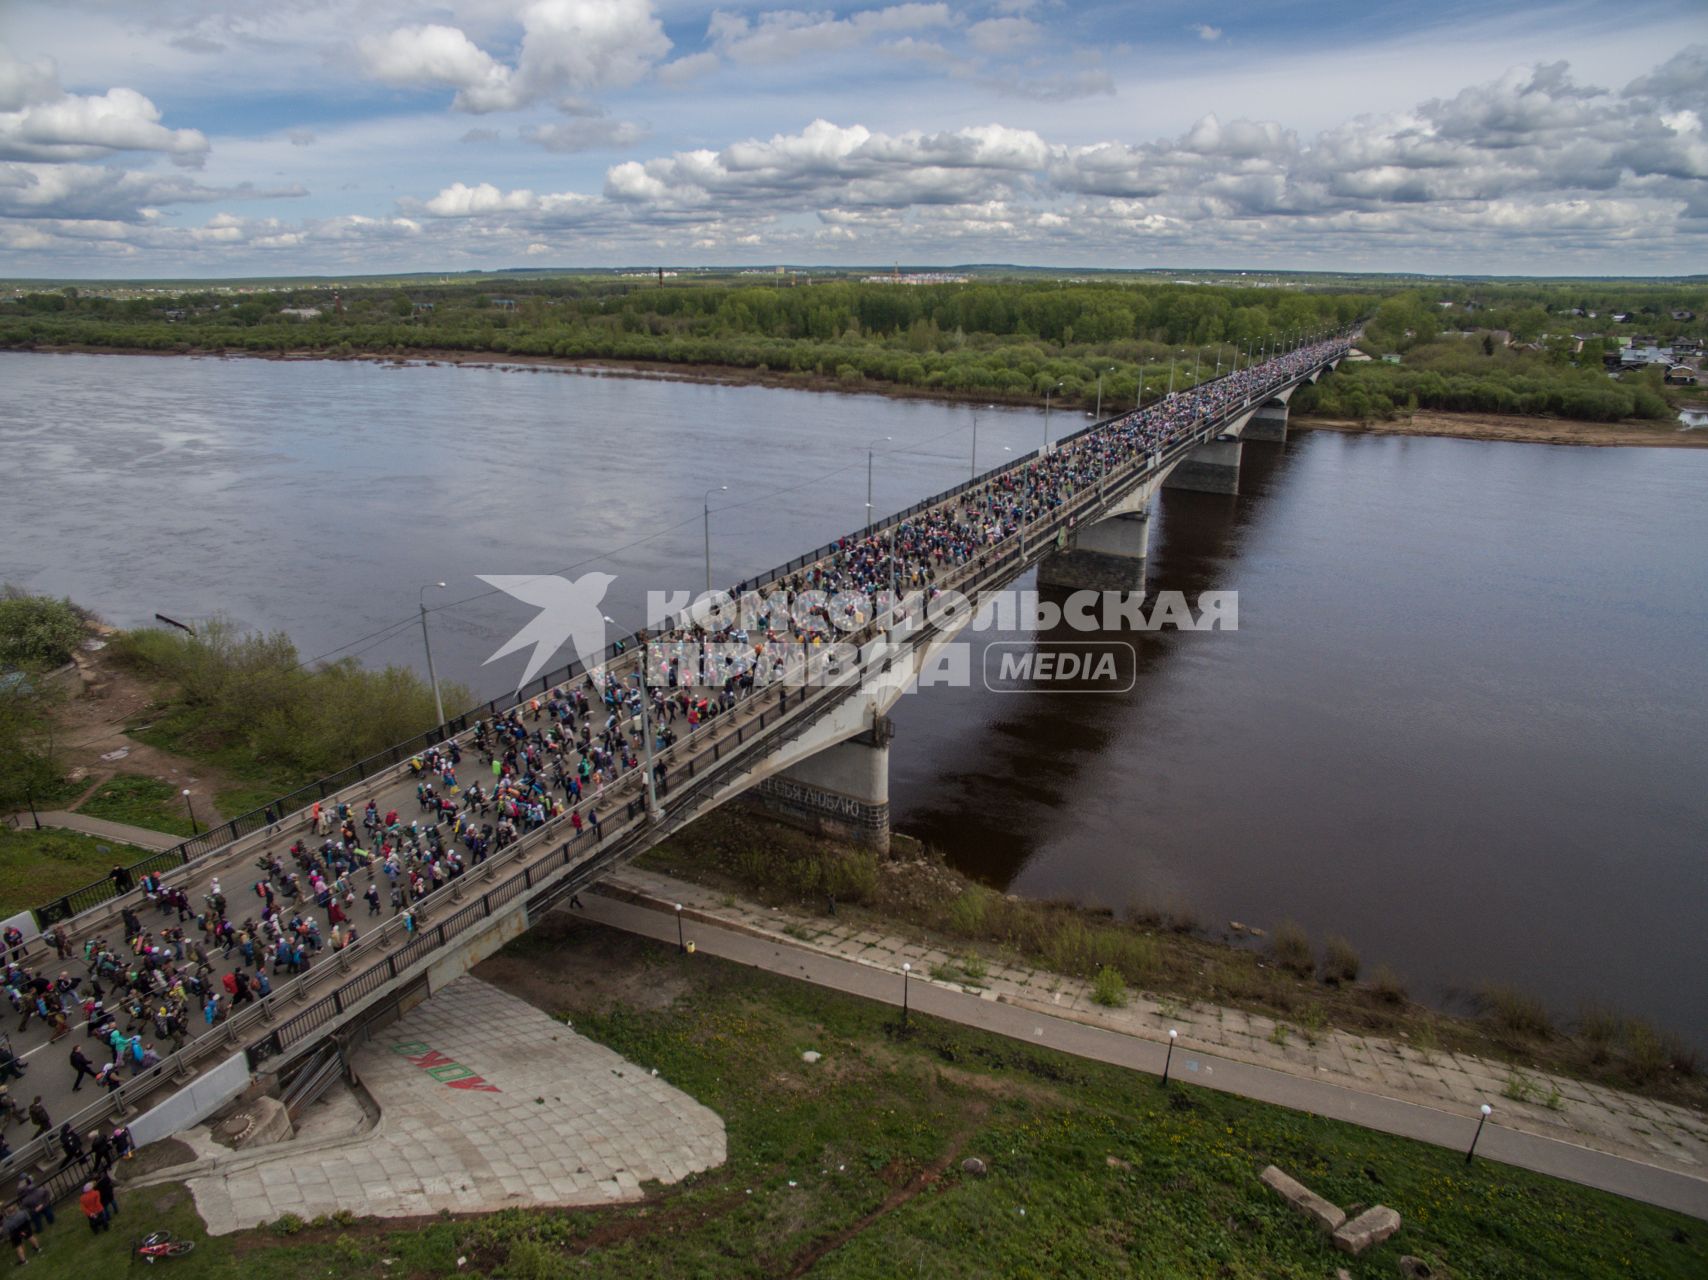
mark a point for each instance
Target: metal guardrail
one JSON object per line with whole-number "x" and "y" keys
{"x": 311, "y": 1023}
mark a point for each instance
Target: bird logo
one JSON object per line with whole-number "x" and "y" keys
{"x": 569, "y": 611}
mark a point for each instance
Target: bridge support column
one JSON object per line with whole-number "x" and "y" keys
{"x": 1269, "y": 422}
{"x": 1210, "y": 468}
{"x": 842, "y": 792}
{"x": 1106, "y": 556}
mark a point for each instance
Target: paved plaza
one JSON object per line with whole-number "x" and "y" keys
{"x": 485, "y": 1103}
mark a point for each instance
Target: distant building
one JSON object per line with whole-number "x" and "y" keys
{"x": 1684, "y": 315}
{"x": 300, "y": 313}
{"x": 1681, "y": 375}
{"x": 504, "y": 304}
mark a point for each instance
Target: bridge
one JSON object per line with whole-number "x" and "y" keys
{"x": 811, "y": 747}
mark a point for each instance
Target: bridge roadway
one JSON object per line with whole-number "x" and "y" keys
{"x": 477, "y": 912}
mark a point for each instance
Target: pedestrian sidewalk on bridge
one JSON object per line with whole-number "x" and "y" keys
{"x": 1587, "y": 1115}
{"x": 485, "y": 1103}
{"x": 118, "y": 832}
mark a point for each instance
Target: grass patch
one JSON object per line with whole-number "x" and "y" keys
{"x": 39, "y": 866}
{"x": 141, "y": 802}
{"x": 851, "y": 1169}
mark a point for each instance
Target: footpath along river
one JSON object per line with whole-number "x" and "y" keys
{"x": 1462, "y": 721}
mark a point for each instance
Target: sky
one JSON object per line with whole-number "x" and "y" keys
{"x": 182, "y": 138}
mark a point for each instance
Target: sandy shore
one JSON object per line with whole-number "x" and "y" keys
{"x": 1490, "y": 426}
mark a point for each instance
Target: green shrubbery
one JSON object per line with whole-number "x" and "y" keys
{"x": 1459, "y": 376}
{"x": 251, "y": 698}
{"x": 37, "y": 632}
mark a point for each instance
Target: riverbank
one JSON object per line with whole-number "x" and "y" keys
{"x": 1518, "y": 430}
{"x": 1462, "y": 426}
{"x": 863, "y": 1147}
{"x": 1311, "y": 989}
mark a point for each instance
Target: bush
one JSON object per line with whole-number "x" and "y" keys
{"x": 1108, "y": 989}
{"x": 1291, "y": 949}
{"x": 1512, "y": 1013}
{"x": 37, "y": 633}
{"x": 250, "y": 693}
{"x": 1387, "y": 987}
{"x": 1340, "y": 962}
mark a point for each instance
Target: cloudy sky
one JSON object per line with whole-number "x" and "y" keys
{"x": 279, "y": 137}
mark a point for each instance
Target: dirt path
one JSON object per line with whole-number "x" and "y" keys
{"x": 96, "y": 747}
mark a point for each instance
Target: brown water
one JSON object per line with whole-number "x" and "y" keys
{"x": 1462, "y": 723}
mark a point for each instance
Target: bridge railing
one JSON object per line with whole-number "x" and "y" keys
{"x": 292, "y": 808}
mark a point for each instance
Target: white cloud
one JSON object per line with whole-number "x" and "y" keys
{"x": 1205, "y": 31}
{"x": 438, "y": 55}
{"x": 70, "y": 191}
{"x": 578, "y": 45}
{"x": 782, "y": 35}
{"x": 40, "y": 121}
{"x": 588, "y": 134}
{"x": 1003, "y": 35}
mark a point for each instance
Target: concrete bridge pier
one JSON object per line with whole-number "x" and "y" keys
{"x": 1106, "y": 556}
{"x": 842, "y": 792}
{"x": 1210, "y": 468}
{"x": 1268, "y": 422}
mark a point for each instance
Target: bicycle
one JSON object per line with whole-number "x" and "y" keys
{"x": 160, "y": 1244}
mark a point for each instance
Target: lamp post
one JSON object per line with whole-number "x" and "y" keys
{"x": 653, "y": 812}
{"x": 871, "y": 448}
{"x": 1139, "y": 399}
{"x": 1481, "y": 1121}
{"x": 190, "y": 809}
{"x": 1048, "y": 392}
{"x": 1168, "y": 1060}
{"x": 30, "y": 796}
{"x": 432, "y": 676}
{"x": 681, "y": 945}
{"x": 1098, "y": 415}
{"x": 1171, "y": 374}
{"x": 706, "y": 511}
{"x": 976, "y": 410}
{"x": 906, "y": 969}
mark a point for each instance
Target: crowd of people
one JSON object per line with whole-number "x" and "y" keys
{"x": 185, "y": 961}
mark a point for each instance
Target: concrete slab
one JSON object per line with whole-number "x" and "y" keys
{"x": 486, "y": 1103}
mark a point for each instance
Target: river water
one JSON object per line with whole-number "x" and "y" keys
{"x": 1462, "y": 721}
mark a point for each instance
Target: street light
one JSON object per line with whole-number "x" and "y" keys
{"x": 30, "y": 795}
{"x": 190, "y": 809}
{"x": 653, "y": 812}
{"x": 706, "y": 510}
{"x": 681, "y": 946}
{"x": 421, "y": 599}
{"x": 1048, "y": 392}
{"x": 1139, "y": 399}
{"x": 1481, "y": 1121}
{"x": 905, "y": 970}
{"x": 1098, "y": 416}
{"x": 1168, "y": 1060}
{"x": 871, "y": 448}
{"x": 976, "y": 410}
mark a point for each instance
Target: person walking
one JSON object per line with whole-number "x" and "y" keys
{"x": 108, "y": 1193}
{"x": 82, "y": 1066}
{"x": 39, "y": 1117}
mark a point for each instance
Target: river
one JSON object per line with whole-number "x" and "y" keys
{"x": 1461, "y": 723}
